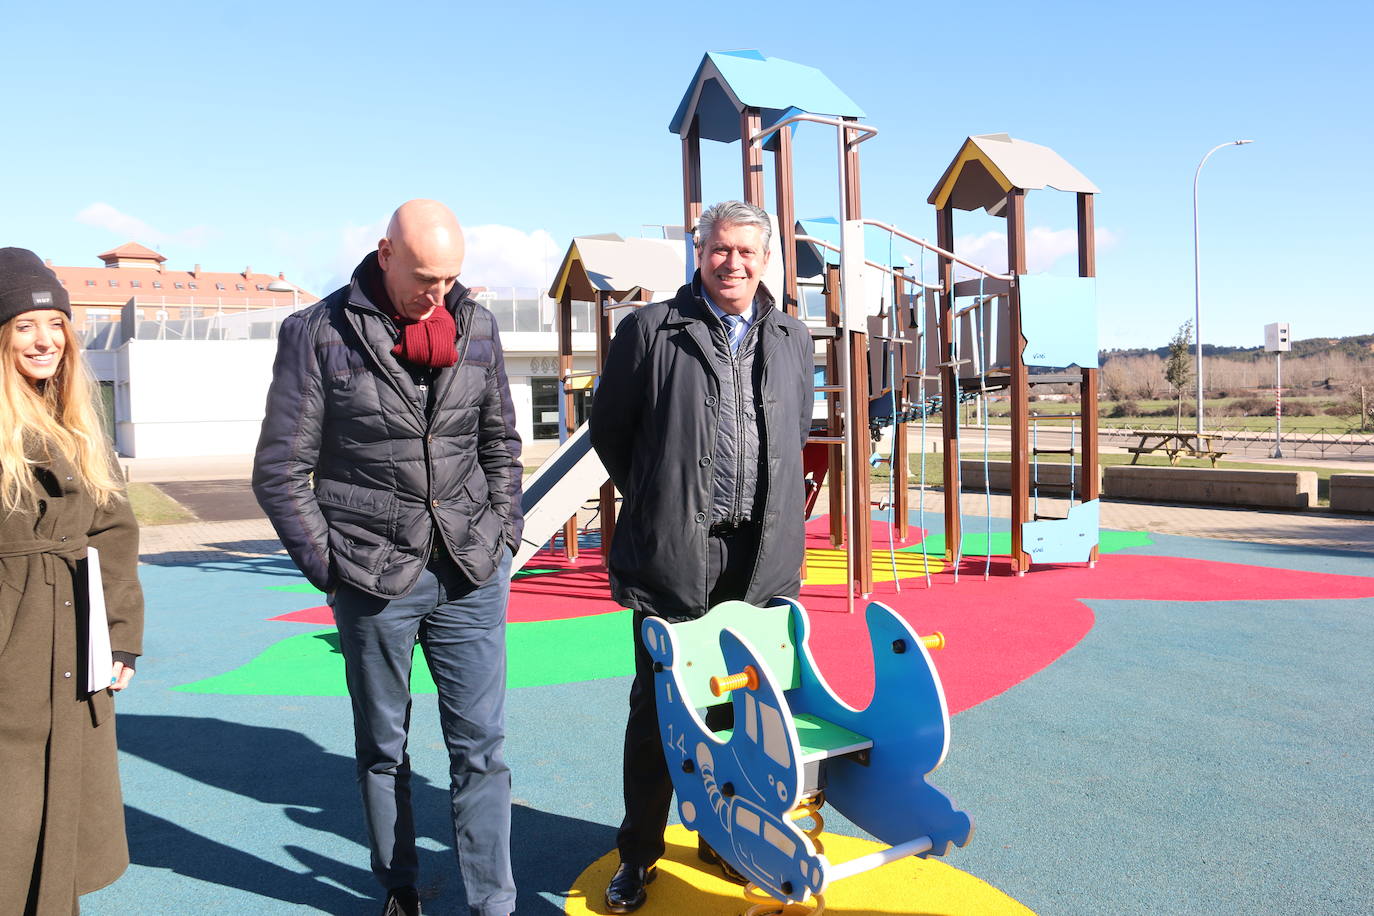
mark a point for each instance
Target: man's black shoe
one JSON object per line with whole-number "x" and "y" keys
{"x": 626, "y": 893}
{"x": 708, "y": 855}
{"x": 402, "y": 901}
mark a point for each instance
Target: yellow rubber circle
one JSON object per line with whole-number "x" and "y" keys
{"x": 686, "y": 885}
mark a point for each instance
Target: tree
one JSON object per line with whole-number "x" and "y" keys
{"x": 1178, "y": 366}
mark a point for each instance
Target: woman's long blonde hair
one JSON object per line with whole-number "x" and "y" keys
{"x": 60, "y": 416}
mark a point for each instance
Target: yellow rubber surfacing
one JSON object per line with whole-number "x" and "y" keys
{"x": 686, "y": 886}
{"x": 825, "y": 566}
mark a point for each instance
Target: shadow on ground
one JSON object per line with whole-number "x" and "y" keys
{"x": 235, "y": 558}
{"x": 276, "y": 771}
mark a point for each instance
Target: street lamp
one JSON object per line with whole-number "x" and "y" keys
{"x": 281, "y": 286}
{"x": 1197, "y": 283}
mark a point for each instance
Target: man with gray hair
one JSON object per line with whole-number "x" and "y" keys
{"x": 700, "y": 416}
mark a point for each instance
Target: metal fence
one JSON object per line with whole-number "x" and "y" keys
{"x": 1324, "y": 442}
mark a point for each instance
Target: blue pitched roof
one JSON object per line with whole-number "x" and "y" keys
{"x": 728, "y": 81}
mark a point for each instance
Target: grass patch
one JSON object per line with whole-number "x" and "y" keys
{"x": 153, "y": 507}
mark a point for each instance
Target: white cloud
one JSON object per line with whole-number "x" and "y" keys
{"x": 127, "y": 228}
{"x": 1044, "y": 248}
{"x": 500, "y": 256}
{"x": 103, "y": 216}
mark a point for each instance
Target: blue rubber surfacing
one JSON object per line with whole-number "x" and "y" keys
{"x": 1185, "y": 757}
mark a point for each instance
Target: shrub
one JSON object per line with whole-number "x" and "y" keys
{"x": 1126, "y": 408}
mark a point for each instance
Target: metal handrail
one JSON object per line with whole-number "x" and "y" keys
{"x": 811, "y": 239}
{"x": 888, "y": 227}
{"x": 869, "y": 131}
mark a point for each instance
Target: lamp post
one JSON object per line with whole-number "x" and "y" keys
{"x": 281, "y": 286}
{"x": 1197, "y": 281}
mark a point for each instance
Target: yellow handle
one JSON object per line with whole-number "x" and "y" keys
{"x": 934, "y": 641}
{"x": 746, "y": 678}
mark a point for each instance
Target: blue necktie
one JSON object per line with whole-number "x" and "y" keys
{"x": 734, "y": 331}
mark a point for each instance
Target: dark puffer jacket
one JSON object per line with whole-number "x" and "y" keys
{"x": 655, "y": 422}
{"x": 387, "y": 473}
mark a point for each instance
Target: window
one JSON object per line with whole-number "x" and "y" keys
{"x": 90, "y": 283}
{"x": 240, "y": 287}
{"x": 193, "y": 285}
{"x": 180, "y": 285}
{"x": 261, "y": 287}
{"x": 219, "y": 286}
{"x": 544, "y": 400}
{"x": 157, "y": 284}
{"x": 114, "y": 282}
{"x": 136, "y": 283}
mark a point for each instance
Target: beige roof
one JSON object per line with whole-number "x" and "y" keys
{"x": 990, "y": 165}
{"x": 609, "y": 263}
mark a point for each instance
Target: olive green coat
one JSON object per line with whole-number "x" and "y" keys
{"x": 62, "y": 818}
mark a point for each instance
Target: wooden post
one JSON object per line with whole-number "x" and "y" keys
{"x": 691, "y": 180}
{"x": 1087, "y": 391}
{"x": 949, "y": 384}
{"x": 1020, "y": 387}
{"x": 787, "y": 219}
{"x": 565, "y": 368}
{"x": 856, "y": 421}
{"x": 752, "y": 155}
{"x": 603, "y": 343}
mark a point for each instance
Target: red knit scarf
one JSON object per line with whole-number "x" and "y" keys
{"x": 431, "y": 342}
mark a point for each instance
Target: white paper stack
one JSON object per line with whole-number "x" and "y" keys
{"x": 99, "y": 662}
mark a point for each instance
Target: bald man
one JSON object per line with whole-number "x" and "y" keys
{"x": 390, "y": 467}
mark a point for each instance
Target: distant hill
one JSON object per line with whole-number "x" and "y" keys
{"x": 1360, "y": 347}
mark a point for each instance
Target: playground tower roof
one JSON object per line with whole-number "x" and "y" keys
{"x": 611, "y": 264}
{"x": 727, "y": 82}
{"x": 990, "y": 165}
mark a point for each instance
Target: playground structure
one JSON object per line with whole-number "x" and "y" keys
{"x": 900, "y": 347}
{"x": 795, "y": 746}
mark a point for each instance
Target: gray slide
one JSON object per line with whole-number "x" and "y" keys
{"x": 553, "y": 494}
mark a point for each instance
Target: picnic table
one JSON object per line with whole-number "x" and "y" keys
{"x": 1175, "y": 445}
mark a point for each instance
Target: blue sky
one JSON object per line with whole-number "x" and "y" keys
{"x": 281, "y": 135}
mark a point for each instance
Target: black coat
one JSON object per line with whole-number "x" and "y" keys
{"x": 387, "y": 473}
{"x": 654, "y": 423}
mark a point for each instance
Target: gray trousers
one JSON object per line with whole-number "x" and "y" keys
{"x": 462, "y": 630}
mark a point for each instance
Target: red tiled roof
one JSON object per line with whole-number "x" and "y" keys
{"x": 131, "y": 251}
{"x": 114, "y": 286}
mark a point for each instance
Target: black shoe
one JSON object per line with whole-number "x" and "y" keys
{"x": 402, "y": 901}
{"x": 626, "y": 893}
{"x": 708, "y": 855}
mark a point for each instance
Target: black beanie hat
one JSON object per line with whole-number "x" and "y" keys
{"x": 27, "y": 285}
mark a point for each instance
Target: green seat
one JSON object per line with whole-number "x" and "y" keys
{"x": 819, "y": 739}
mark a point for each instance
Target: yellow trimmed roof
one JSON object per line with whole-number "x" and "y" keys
{"x": 990, "y": 165}
{"x": 615, "y": 265}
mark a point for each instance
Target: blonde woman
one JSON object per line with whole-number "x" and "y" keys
{"x": 62, "y": 818}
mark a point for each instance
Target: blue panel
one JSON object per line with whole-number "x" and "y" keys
{"x": 736, "y": 793}
{"x": 769, "y": 83}
{"x": 908, "y": 722}
{"x": 1068, "y": 540}
{"x": 1059, "y": 320}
